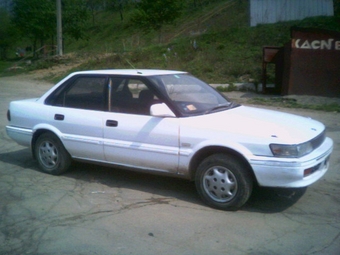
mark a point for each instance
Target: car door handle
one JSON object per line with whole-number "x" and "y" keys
{"x": 112, "y": 123}
{"x": 59, "y": 117}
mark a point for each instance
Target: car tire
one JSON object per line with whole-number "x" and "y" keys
{"x": 223, "y": 182}
{"x": 51, "y": 154}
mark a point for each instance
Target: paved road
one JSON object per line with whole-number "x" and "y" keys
{"x": 97, "y": 210}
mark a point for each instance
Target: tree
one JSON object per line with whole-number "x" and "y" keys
{"x": 75, "y": 18}
{"x": 94, "y": 6}
{"x": 119, "y": 5}
{"x": 7, "y": 33}
{"x": 154, "y": 14}
{"x": 336, "y": 5}
{"x": 35, "y": 19}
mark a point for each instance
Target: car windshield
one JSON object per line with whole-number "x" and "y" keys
{"x": 190, "y": 95}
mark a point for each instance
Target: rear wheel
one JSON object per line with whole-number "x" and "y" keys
{"x": 223, "y": 182}
{"x": 51, "y": 154}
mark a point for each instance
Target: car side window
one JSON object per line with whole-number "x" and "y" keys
{"x": 84, "y": 93}
{"x": 131, "y": 96}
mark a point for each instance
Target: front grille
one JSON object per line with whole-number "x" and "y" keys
{"x": 317, "y": 141}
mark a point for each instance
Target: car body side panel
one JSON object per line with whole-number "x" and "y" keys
{"x": 189, "y": 147}
{"x": 81, "y": 131}
{"x": 24, "y": 115}
{"x": 142, "y": 141}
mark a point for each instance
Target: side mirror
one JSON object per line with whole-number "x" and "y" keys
{"x": 161, "y": 110}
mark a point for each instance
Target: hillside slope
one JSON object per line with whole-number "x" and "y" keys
{"x": 213, "y": 42}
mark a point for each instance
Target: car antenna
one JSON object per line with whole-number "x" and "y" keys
{"x": 139, "y": 72}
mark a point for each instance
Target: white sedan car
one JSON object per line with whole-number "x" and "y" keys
{"x": 169, "y": 122}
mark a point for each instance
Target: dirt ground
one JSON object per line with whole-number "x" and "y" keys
{"x": 98, "y": 210}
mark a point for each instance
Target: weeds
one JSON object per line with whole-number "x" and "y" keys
{"x": 229, "y": 88}
{"x": 292, "y": 103}
{"x": 214, "y": 43}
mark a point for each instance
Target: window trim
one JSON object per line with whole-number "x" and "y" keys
{"x": 67, "y": 85}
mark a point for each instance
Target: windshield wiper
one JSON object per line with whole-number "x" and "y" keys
{"x": 221, "y": 107}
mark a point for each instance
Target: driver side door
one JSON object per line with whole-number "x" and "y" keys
{"x": 134, "y": 138}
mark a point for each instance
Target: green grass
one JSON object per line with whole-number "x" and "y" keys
{"x": 11, "y": 67}
{"x": 228, "y": 50}
{"x": 4, "y": 65}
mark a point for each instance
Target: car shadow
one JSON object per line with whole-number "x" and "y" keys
{"x": 263, "y": 200}
{"x": 21, "y": 158}
{"x": 119, "y": 178}
{"x": 273, "y": 200}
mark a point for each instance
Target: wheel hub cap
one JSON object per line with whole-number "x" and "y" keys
{"x": 220, "y": 184}
{"x": 48, "y": 154}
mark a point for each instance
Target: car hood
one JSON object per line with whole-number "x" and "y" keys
{"x": 250, "y": 122}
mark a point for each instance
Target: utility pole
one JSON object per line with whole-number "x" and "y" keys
{"x": 59, "y": 30}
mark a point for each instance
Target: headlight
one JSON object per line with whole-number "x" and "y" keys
{"x": 291, "y": 151}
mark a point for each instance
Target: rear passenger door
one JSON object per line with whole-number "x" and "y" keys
{"x": 132, "y": 136}
{"x": 77, "y": 112}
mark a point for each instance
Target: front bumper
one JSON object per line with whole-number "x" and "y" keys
{"x": 293, "y": 173}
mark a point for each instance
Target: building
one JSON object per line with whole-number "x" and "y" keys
{"x": 270, "y": 11}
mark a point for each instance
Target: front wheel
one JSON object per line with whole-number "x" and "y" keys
{"x": 51, "y": 154}
{"x": 223, "y": 182}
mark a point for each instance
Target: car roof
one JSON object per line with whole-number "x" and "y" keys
{"x": 137, "y": 72}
